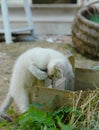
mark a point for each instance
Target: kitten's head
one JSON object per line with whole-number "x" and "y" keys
{"x": 61, "y": 68}
{"x": 59, "y": 71}
{"x": 55, "y": 71}
{"x": 64, "y": 70}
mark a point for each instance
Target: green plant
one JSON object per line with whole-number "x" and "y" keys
{"x": 84, "y": 115}
{"x": 35, "y": 119}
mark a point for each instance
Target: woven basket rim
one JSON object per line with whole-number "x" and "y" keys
{"x": 85, "y": 33}
{"x": 85, "y": 19}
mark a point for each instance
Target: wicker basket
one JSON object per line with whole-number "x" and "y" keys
{"x": 85, "y": 33}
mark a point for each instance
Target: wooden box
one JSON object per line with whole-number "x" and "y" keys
{"x": 51, "y": 98}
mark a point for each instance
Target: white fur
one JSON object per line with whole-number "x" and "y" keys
{"x": 29, "y": 68}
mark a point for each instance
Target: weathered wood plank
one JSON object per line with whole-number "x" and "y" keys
{"x": 86, "y": 79}
{"x": 53, "y": 98}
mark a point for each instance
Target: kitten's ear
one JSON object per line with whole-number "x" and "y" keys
{"x": 60, "y": 69}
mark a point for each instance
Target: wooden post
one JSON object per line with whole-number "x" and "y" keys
{"x": 29, "y": 16}
{"x": 6, "y": 21}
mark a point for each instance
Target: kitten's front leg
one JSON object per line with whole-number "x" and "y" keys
{"x": 39, "y": 74}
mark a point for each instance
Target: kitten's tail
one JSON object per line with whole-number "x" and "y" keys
{"x": 6, "y": 103}
{"x": 4, "y": 107}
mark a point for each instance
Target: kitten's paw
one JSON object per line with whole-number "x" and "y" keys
{"x": 43, "y": 76}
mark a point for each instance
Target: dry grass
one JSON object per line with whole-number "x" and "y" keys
{"x": 88, "y": 103}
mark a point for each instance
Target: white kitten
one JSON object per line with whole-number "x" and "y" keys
{"x": 35, "y": 64}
